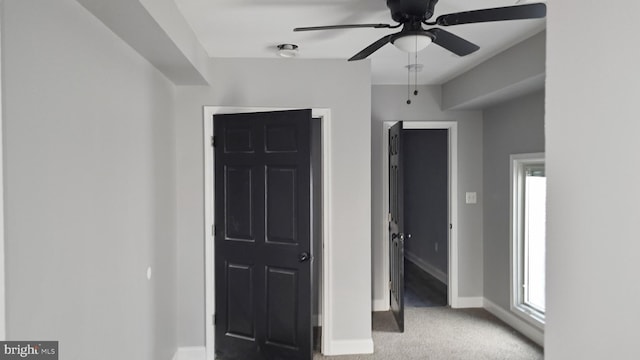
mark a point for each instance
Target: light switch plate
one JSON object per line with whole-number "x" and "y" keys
{"x": 471, "y": 198}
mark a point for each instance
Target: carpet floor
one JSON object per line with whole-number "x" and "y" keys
{"x": 442, "y": 333}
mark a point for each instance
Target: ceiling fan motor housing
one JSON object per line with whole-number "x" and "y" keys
{"x": 411, "y": 10}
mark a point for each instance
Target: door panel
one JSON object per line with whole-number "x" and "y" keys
{"x": 396, "y": 225}
{"x": 281, "y": 204}
{"x": 263, "y": 189}
{"x": 238, "y": 203}
{"x": 281, "y": 138}
{"x": 282, "y": 285}
{"x": 238, "y": 136}
{"x": 240, "y": 299}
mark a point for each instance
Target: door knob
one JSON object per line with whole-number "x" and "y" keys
{"x": 304, "y": 256}
{"x": 399, "y": 236}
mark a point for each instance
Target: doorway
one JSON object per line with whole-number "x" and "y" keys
{"x": 451, "y": 277}
{"x": 320, "y": 226}
{"x": 426, "y": 216}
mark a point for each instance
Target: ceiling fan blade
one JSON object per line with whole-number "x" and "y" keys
{"x": 335, "y": 27}
{"x": 453, "y": 43}
{"x": 372, "y": 48}
{"x": 529, "y": 11}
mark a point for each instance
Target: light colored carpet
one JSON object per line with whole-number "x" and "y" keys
{"x": 441, "y": 333}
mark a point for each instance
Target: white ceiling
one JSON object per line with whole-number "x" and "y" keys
{"x": 253, "y": 29}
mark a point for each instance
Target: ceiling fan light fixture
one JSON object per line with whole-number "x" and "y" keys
{"x": 287, "y": 50}
{"x": 412, "y": 43}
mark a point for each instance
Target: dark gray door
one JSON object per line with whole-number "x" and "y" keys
{"x": 262, "y": 238}
{"x": 396, "y": 224}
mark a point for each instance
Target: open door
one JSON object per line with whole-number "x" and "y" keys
{"x": 396, "y": 224}
{"x": 262, "y": 236}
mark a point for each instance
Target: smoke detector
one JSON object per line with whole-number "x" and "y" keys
{"x": 287, "y": 50}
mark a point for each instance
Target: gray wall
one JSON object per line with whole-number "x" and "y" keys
{"x": 514, "y": 127}
{"x": 90, "y": 187}
{"x": 343, "y": 87}
{"x": 592, "y": 155}
{"x": 389, "y": 104}
{"x": 157, "y": 31}
{"x": 426, "y": 198}
{"x": 517, "y": 71}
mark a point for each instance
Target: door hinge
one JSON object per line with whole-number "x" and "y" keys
{"x": 213, "y": 230}
{"x": 213, "y": 141}
{"x": 213, "y": 319}
{"x": 450, "y": 226}
{"x": 389, "y": 284}
{"x": 389, "y": 217}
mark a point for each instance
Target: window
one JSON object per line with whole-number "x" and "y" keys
{"x": 528, "y": 228}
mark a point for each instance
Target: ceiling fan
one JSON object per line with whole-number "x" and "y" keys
{"x": 412, "y": 14}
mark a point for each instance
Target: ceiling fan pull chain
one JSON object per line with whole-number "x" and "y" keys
{"x": 408, "y": 78}
{"x": 415, "y": 64}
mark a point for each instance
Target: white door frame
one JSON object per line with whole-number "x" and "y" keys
{"x": 3, "y": 318}
{"x": 324, "y": 306}
{"x": 452, "y": 126}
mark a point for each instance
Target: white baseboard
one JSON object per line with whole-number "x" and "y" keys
{"x": 425, "y": 266}
{"x": 515, "y": 322}
{"x": 349, "y": 347}
{"x": 380, "y": 305}
{"x": 191, "y": 353}
{"x": 467, "y": 302}
{"x": 336, "y": 347}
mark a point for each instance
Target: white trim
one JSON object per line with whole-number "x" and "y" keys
{"x": 516, "y": 163}
{"x": 468, "y": 302}
{"x": 190, "y": 353}
{"x": 426, "y": 267}
{"x": 384, "y": 216}
{"x": 208, "y": 235}
{"x": 380, "y": 305}
{"x": 350, "y": 347}
{"x": 533, "y": 333}
{"x": 452, "y": 126}
{"x": 327, "y": 259}
{"x": 3, "y": 319}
